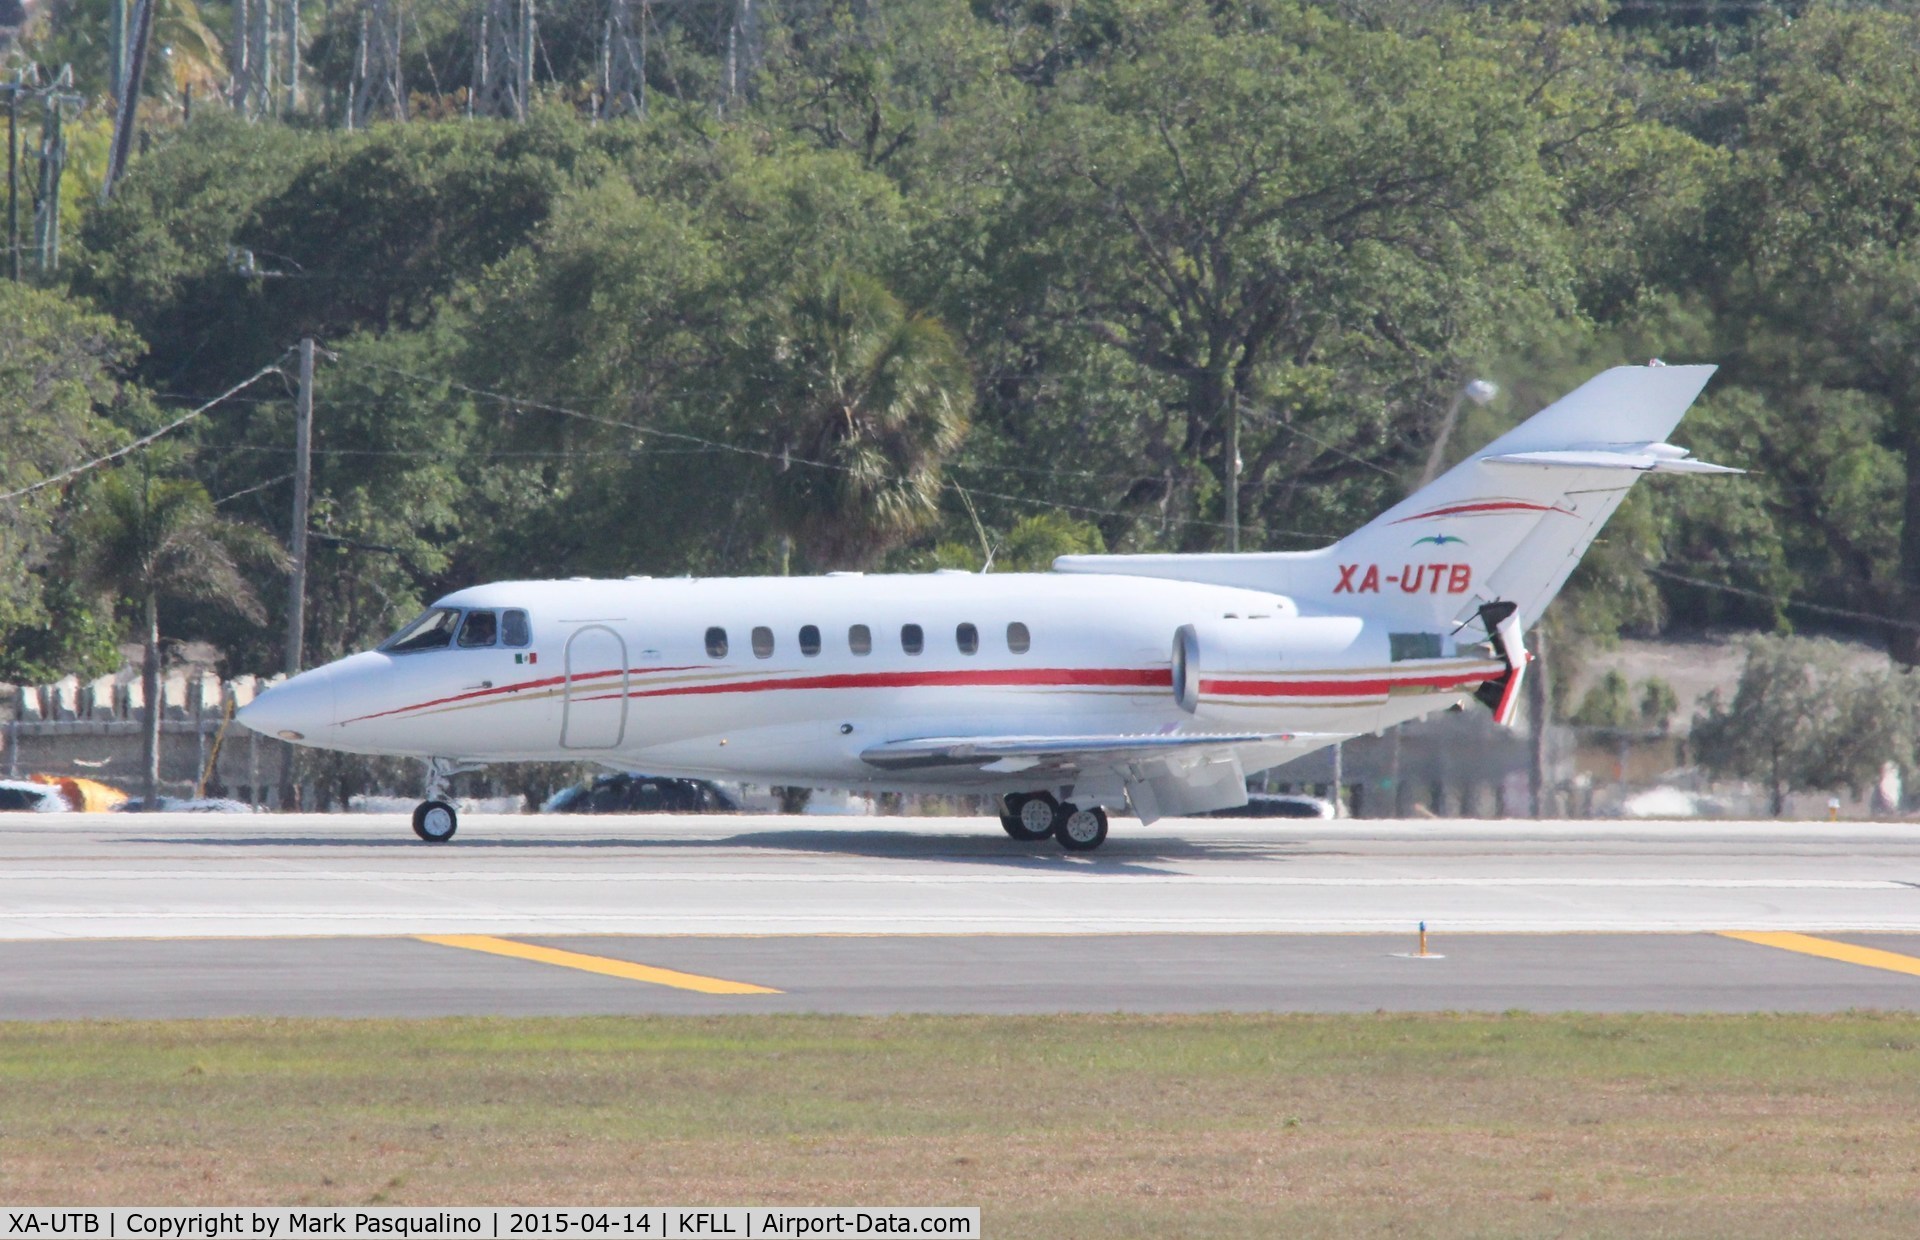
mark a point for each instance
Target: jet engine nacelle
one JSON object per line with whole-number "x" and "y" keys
{"x": 1266, "y": 648}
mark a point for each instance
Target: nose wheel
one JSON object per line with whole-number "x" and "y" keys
{"x": 435, "y": 821}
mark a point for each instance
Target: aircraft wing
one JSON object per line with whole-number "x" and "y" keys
{"x": 1161, "y": 773}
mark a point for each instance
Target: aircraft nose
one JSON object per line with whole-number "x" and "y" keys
{"x": 299, "y": 709}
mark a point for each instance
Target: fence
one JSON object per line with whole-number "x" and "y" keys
{"x": 93, "y": 730}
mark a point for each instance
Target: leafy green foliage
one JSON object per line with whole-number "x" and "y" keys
{"x": 1802, "y": 720}
{"x": 1618, "y": 705}
{"x": 865, "y": 400}
{"x": 59, "y": 391}
{"x": 1056, "y": 255}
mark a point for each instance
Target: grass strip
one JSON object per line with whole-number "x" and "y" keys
{"x": 1058, "y": 1126}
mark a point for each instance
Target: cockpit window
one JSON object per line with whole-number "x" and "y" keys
{"x": 432, "y": 631}
{"x": 481, "y": 629}
{"x": 514, "y": 629}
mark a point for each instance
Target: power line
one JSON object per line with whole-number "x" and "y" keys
{"x": 518, "y": 404}
{"x": 1841, "y": 612}
{"x": 144, "y": 440}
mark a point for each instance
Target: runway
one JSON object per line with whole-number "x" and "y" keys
{"x": 202, "y": 915}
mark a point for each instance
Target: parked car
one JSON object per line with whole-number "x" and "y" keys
{"x": 641, "y": 794}
{"x": 185, "y": 805}
{"x": 18, "y": 796}
{"x": 1277, "y": 805}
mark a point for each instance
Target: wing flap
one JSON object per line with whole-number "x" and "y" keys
{"x": 1016, "y": 753}
{"x": 1159, "y": 775}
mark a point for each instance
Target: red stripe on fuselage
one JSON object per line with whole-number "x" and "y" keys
{"x": 1053, "y": 677}
{"x": 1376, "y": 687}
{"x": 543, "y": 683}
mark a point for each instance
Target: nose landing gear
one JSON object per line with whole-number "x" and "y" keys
{"x": 434, "y": 819}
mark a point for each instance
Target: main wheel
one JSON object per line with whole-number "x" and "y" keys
{"x": 1030, "y": 817}
{"x": 1081, "y": 830}
{"x": 435, "y": 822}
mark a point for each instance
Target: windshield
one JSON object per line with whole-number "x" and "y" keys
{"x": 432, "y": 631}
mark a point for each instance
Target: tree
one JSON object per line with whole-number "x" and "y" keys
{"x": 1814, "y": 259}
{"x": 59, "y": 387}
{"x": 864, "y": 401}
{"x": 148, "y": 538}
{"x": 1801, "y": 720}
{"x": 1031, "y": 545}
{"x": 1284, "y": 212}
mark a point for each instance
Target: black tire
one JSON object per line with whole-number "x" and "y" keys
{"x": 1030, "y": 817}
{"x": 435, "y": 821}
{"x": 1081, "y": 830}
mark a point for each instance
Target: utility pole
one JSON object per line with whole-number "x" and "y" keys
{"x": 123, "y": 124}
{"x": 1539, "y": 789}
{"x": 297, "y": 583}
{"x": 302, "y": 481}
{"x": 1233, "y": 475}
{"x": 13, "y": 181}
{"x": 117, "y": 45}
{"x": 53, "y": 165}
{"x": 1479, "y": 391}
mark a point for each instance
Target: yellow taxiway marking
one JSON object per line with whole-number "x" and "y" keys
{"x": 1807, "y": 945}
{"x": 597, "y": 964}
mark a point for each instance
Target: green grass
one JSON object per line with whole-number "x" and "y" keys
{"x": 1056, "y": 1126}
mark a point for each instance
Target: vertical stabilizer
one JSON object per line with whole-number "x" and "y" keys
{"x": 1506, "y": 525}
{"x": 1511, "y": 521}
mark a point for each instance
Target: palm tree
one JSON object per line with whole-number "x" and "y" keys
{"x": 868, "y": 400}
{"x": 146, "y": 538}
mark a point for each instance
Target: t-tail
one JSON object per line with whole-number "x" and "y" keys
{"x": 1487, "y": 545}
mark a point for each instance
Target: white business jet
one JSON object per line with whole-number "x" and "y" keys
{"x": 1151, "y": 682}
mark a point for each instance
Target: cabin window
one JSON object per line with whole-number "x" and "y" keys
{"x": 809, "y": 640}
{"x": 1018, "y": 639}
{"x": 432, "y": 630}
{"x": 514, "y": 629}
{"x": 967, "y": 638}
{"x": 762, "y": 642}
{"x": 717, "y": 642}
{"x": 1413, "y": 646}
{"x": 912, "y": 640}
{"x": 860, "y": 639}
{"x": 481, "y": 629}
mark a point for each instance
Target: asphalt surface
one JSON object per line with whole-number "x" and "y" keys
{"x": 189, "y": 915}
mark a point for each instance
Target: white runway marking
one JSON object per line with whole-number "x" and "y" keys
{"x": 990, "y": 879}
{"x": 119, "y": 876}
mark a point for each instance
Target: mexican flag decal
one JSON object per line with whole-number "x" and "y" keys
{"x": 530, "y": 657}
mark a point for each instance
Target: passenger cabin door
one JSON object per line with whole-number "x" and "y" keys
{"x": 593, "y": 713}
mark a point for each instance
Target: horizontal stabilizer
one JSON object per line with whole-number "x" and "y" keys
{"x": 1657, "y": 458}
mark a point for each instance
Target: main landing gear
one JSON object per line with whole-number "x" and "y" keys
{"x": 1035, "y": 816}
